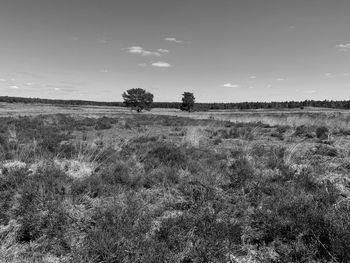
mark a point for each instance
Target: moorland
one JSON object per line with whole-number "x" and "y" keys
{"x": 104, "y": 185}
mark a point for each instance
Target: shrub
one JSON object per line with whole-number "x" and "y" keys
{"x": 104, "y": 123}
{"x": 301, "y": 131}
{"x": 240, "y": 170}
{"x": 217, "y": 141}
{"x": 326, "y": 150}
{"x": 281, "y": 129}
{"x": 322, "y": 132}
{"x": 117, "y": 232}
{"x": 166, "y": 154}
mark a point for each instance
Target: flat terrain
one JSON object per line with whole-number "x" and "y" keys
{"x": 293, "y": 117}
{"x": 269, "y": 186}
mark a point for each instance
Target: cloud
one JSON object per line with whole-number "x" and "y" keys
{"x": 280, "y": 79}
{"x": 229, "y": 85}
{"x": 2, "y": 80}
{"x": 328, "y": 75}
{"x": 142, "y": 65}
{"x": 172, "y": 39}
{"x": 252, "y": 77}
{"x": 102, "y": 41}
{"x": 161, "y": 50}
{"x": 343, "y": 47}
{"x": 14, "y": 87}
{"x": 140, "y": 51}
{"x": 63, "y": 88}
{"x": 161, "y": 64}
{"x": 310, "y": 91}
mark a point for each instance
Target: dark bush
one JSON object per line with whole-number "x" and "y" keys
{"x": 117, "y": 233}
{"x": 322, "y": 132}
{"x": 104, "y": 123}
{"x": 166, "y": 154}
{"x": 301, "y": 131}
{"x": 326, "y": 150}
{"x": 240, "y": 170}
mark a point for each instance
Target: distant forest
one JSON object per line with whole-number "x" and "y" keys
{"x": 344, "y": 104}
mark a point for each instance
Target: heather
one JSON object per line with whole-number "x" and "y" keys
{"x": 147, "y": 188}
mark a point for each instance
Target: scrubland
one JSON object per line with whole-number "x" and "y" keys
{"x": 149, "y": 188}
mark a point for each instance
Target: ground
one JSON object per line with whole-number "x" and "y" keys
{"x": 75, "y": 186}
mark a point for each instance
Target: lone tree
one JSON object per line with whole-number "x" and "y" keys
{"x": 138, "y": 99}
{"x": 187, "y": 101}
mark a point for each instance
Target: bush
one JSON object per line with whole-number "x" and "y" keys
{"x": 104, "y": 123}
{"x": 240, "y": 170}
{"x": 166, "y": 154}
{"x": 326, "y": 150}
{"x": 117, "y": 233}
{"x": 322, "y": 132}
{"x": 301, "y": 131}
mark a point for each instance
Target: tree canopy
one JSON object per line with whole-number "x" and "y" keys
{"x": 188, "y": 100}
{"x": 138, "y": 99}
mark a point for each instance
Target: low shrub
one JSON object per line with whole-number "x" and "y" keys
{"x": 322, "y": 132}
{"x": 326, "y": 150}
{"x": 240, "y": 170}
{"x": 166, "y": 154}
{"x": 105, "y": 123}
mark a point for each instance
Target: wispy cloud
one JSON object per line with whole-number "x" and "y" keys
{"x": 161, "y": 64}
{"x": 328, "y": 75}
{"x": 229, "y": 85}
{"x": 102, "y": 41}
{"x": 173, "y": 39}
{"x": 140, "y": 51}
{"x": 252, "y": 77}
{"x": 280, "y": 79}
{"x": 161, "y": 50}
{"x": 13, "y": 87}
{"x": 2, "y": 80}
{"x": 343, "y": 47}
{"x": 63, "y": 88}
{"x": 142, "y": 65}
{"x": 310, "y": 91}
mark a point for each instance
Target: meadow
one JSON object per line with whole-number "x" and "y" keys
{"x": 99, "y": 184}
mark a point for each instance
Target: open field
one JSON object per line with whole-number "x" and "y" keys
{"x": 153, "y": 188}
{"x": 334, "y": 119}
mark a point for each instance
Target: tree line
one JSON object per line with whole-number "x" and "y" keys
{"x": 188, "y": 103}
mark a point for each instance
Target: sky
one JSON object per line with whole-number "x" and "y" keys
{"x": 222, "y": 51}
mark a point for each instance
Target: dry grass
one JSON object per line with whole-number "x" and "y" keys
{"x": 170, "y": 190}
{"x": 333, "y": 118}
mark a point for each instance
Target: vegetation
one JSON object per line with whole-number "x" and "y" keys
{"x": 187, "y": 102}
{"x": 138, "y": 99}
{"x": 344, "y": 104}
{"x": 145, "y": 188}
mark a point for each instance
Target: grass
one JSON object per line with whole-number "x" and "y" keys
{"x": 149, "y": 188}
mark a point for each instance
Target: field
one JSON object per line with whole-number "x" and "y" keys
{"x": 103, "y": 184}
{"x": 333, "y": 118}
